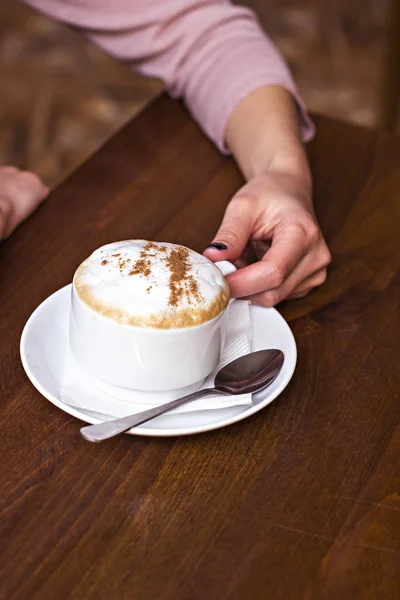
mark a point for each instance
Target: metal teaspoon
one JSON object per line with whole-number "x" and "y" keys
{"x": 249, "y": 373}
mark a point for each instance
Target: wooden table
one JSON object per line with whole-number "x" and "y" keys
{"x": 298, "y": 501}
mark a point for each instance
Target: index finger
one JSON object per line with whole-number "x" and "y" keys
{"x": 289, "y": 246}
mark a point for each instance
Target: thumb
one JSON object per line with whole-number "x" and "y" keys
{"x": 236, "y": 228}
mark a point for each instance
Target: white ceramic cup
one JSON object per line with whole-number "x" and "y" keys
{"x": 145, "y": 365}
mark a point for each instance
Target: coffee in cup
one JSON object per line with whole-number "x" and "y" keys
{"x": 151, "y": 284}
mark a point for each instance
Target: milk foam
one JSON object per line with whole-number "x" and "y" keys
{"x": 118, "y": 282}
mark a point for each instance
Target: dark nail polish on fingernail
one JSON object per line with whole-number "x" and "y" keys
{"x": 218, "y": 246}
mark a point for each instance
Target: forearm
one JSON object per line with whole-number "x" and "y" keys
{"x": 263, "y": 133}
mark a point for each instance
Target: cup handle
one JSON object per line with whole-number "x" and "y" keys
{"x": 225, "y": 267}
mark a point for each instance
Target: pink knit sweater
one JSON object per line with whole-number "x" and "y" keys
{"x": 209, "y": 52}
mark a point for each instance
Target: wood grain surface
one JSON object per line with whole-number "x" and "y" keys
{"x": 299, "y": 501}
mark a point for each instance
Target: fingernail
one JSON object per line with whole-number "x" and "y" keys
{"x": 218, "y": 246}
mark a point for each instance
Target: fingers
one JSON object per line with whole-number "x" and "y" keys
{"x": 24, "y": 184}
{"x": 310, "y": 273}
{"x": 289, "y": 246}
{"x": 316, "y": 279}
{"x": 33, "y": 192}
{"x": 274, "y": 297}
{"x": 235, "y": 231}
{"x": 20, "y": 194}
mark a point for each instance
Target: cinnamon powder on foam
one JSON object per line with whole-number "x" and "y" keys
{"x": 181, "y": 280}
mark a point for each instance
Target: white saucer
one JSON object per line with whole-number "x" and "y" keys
{"x": 44, "y": 350}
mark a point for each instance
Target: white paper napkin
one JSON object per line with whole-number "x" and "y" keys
{"x": 76, "y": 391}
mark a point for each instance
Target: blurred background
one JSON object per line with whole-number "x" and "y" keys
{"x": 61, "y": 97}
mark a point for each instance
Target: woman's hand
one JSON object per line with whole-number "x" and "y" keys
{"x": 20, "y": 193}
{"x": 271, "y": 219}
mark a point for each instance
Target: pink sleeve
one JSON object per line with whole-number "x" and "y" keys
{"x": 209, "y": 52}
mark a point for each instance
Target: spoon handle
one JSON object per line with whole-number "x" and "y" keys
{"x": 103, "y": 431}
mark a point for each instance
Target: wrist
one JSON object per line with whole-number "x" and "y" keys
{"x": 291, "y": 161}
{"x": 263, "y": 133}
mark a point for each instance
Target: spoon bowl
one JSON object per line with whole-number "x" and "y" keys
{"x": 250, "y": 373}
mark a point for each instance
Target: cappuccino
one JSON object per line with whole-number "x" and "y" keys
{"x": 151, "y": 285}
